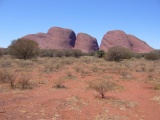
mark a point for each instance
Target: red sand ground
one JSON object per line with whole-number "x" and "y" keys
{"x": 77, "y": 102}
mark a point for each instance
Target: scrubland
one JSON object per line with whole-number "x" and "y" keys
{"x": 70, "y": 88}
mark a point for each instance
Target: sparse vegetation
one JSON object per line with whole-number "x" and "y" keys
{"x": 7, "y": 76}
{"x": 101, "y": 86}
{"x": 61, "y": 53}
{"x": 99, "y": 53}
{"x": 1, "y": 53}
{"x": 105, "y": 79}
{"x": 24, "y": 81}
{"x": 24, "y": 49}
{"x": 59, "y": 83}
{"x": 117, "y": 53}
{"x": 152, "y": 55}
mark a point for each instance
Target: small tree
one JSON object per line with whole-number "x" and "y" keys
{"x": 101, "y": 86}
{"x": 24, "y": 48}
{"x": 118, "y": 53}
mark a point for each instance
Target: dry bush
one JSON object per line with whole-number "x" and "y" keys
{"x": 6, "y": 62}
{"x": 157, "y": 87}
{"x": 25, "y": 63}
{"x": 77, "y": 68}
{"x": 24, "y": 81}
{"x": 50, "y": 67}
{"x": 8, "y": 76}
{"x": 59, "y": 83}
{"x": 87, "y": 59}
{"x": 102, "y": 86}
{"x": 12, "y": 79}
{"x": 3, "y": 75}
{"x": 94, "y": 68}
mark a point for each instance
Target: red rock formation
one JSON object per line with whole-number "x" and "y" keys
{"x": 56, "y": 38}
{"x": 120, "y": 38}
{"x": 86, "y": 43}
{"x": 61, "y": 38}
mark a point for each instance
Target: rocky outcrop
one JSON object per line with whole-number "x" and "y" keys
{"x": 120, "y": 38}
{"x": 86, "y": 43}
{"x": 56, "y": 38}
{"x": 62, "y": 38}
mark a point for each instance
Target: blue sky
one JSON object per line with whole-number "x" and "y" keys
{"x": 95, "y": 17}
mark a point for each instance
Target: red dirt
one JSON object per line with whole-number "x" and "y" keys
{"x": 76, "y": 102}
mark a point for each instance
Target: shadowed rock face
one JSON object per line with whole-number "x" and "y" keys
{"x": 120, "y": 38}
{"x": 86, "y": 43}
{"x": 56, "y": 38}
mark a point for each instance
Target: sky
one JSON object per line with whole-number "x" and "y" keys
{"x": 94, "y": 17}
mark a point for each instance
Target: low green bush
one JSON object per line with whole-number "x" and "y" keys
{"x": 61, "y": 53}
{"x": 118, "y": 53}
{"x": 24, "y": 49}
{"x": 154, "y": 55}
{"x": 99, "y": 53}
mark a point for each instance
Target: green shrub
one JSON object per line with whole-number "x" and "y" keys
{"x": 76, "y": 53}
{"x": 60, "y": 53}
{"x": 99, "y": 53}
{"x": 138, "y": 55}
{"x": 117, "y": 53}
{"x": 24, "y": 49}
{"x": 1, "y": 53}
{"x": 47, "y": 53}
{"x": 151, "y": 56}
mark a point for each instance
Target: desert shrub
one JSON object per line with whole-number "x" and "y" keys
{"x": 8, "y": 77}
{"x": 117, "y": 53}
{"x": 4, "y": 75}
{"x": 4, "y": 51}
{"x": 152, "y": 56}
{"x": 76, "y": 53}
{"x": 99, "y": 53}
{"x": 6, "y": 62}
{"x": 24, "y": 81}
{"x": 61, "y": 53}
{"x": 1, "y": 53}
{"x": 25, "y": 63}
{"x": 59, "y": 83}
{"x": 101, "y": 86}
{"x": 138, "y": 55}
{"x": 47, "y": 53}
{"x": 90, "y": 53}
{"x": 24, "y": 49}
{"x": 157, "y": 87}
{"x": 12, "y": 79}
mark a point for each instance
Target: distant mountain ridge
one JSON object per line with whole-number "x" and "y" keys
{"x": 62, "y": 38}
